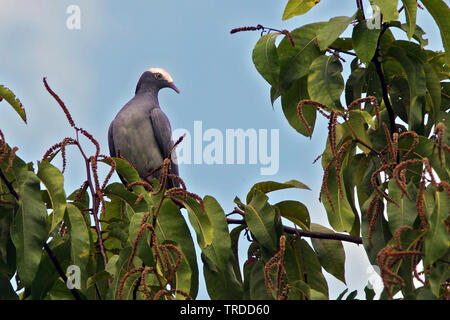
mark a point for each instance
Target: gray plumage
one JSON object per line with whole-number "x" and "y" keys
{"x": 141, "y": 131}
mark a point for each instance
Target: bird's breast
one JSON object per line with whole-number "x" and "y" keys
{"x": 135, "y": 140}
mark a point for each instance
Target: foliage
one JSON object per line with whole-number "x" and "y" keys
{"x": 385, "y": 185}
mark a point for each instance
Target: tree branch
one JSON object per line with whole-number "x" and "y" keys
{"x": 60, "y": 270}
{"x": 8, "y": 185}
{"x": 379, "y": 70}
{"x": 309, "y": 234}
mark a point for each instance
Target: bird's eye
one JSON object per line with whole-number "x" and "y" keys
{"x": 158, "y": 76}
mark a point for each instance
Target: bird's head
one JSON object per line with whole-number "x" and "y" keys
{"x": 155, "y": 79}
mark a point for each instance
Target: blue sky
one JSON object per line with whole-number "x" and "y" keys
{"x": 95, "y": 71}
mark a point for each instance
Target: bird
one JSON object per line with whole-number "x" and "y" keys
{"x": 141, "y": 132}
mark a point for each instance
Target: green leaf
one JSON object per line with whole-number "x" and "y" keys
{"x": 380, "y": 232}
{"x": 118, "y": 190}
{"x": 365, "y": 41}
{"x": 79, "y": 239}
{"x": 298, "y": 7}
{"x": 126, "y": 170}
{"x": 200, "y": 221}
{"x": 370, "y": 293}
{"x": 354, "y": 86}
{"x": 332, "y": 30}
{"x": 221, "y": 280}
{"x": 265, "y": 58}
{"x": 406, "y": 213}
{"x": 29, "y": 227}
{"x": 437, "y": 240}
{"x": 331, "y": 253}
{"x": 312, "y": 268}
{"x": 172, "y": 226}
{"x": 257, "y": 284}
{"x": 294, "y": 211}
{"x": 399, "y": 94}
{"x": 388, "y": 8}
{"x": 289, "y": 102}
{"x": 414, "y": 70}
{"x": 434, "y": 90}
{"x": 47, "y": 275}
{"x": 269, "y": 186}
{"x": 6, "y": 289}
{"x": 53, "y": 181}
{"x": 261, "y": 219}
{"x": 358, "y": 120}
{"x": 325, "y": 82}
{"x": 439, "y": 274}
{"x": 295, "y": 60}
{"x": 441, "y": 14}
{"x": 7, "y": 94}
{"x": 340, "y": 215}
{"x": 410, "y": 13}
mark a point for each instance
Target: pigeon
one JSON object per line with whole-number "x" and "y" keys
{"x": 141, "y": 132}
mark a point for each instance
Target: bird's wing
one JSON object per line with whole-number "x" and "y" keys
{"x": 163, "y": 135}
{"x": 112, "y": 149}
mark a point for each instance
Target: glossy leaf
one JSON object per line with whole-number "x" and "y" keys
{"x": 331, "y": 253}
{"x": 312, "y": 268}
{"x": 29, "y": 227}
{"x": 220, "y": 277}
{"x": 441, "y": 14}
{"x": 265, "y": 58}
{"x": 410, "y": 13}
{"x": 298, "y": 7}
{"x": 289, "y": 102}
{"x": 46, "y": 275}
{"x": 79, "y": 238}
{"x": 118, "y": 190}
{"x": 53, "y": 181}
{"x": 325, "y": 82}
{"x": 340, "y": 216}
{"x": 200, "y": 221}
{"x": 269, "y": 186}
{"x": 388, "y": 8}
{"x": 294, "y": 211}
{"x": 9, "y": 97}
{"x": 358, "y": 120}
{"x": 406, "y": 213}
{"x": 262, "y": 221}
{"x": 400, "y": 100}
{"x": 380, "y": 233}
{"x": 171, "y": 226}
{"x": 437, "y": 240}
{"x": 365, "y": 41}
{"x": 354, "y": 87}
{"x": 332, "y": 30}
{"x": 417, "y": 85}
{"x": 295, "y": 60}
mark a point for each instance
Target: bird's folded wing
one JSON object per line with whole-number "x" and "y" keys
{"x": 163, "y": 134}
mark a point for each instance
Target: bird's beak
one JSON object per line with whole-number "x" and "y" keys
{"x": 173, "y": 86}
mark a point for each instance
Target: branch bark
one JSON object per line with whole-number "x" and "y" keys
{"x": 380, "y": 73}
{"x": 309, "y": 234}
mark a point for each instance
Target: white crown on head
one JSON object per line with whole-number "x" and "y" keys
{"x": 165, "y": 74}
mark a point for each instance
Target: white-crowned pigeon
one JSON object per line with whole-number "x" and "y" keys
{"x": 141, "y": 132}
